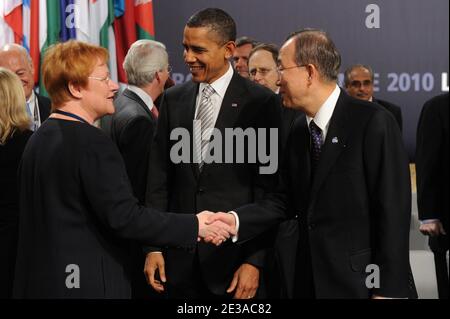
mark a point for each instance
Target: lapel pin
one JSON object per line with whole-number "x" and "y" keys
{"x": 334, "y": 140}
{"x": 233, "y": 104}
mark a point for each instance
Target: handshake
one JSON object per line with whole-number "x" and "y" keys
{"x": 216, "y": 228}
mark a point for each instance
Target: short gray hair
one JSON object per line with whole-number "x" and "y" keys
{"x": 18, "y": 48}
{"x": 315, "y": 47}
{"x": 349, "y": 70}
{"x": 143, "y": 60}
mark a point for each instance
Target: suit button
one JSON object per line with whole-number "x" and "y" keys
{"x": 296, "y": 217}
{"x": 311, "y": 226}
{"x": 200, "y": 191}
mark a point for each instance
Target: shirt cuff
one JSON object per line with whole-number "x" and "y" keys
{"x": 429, "y": 221}
{"x": 236, "y": 217}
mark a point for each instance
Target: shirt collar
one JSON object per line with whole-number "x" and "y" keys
{"x": 221, "y": 84}
{"x": 323, "y": 116}
{"x": 143, "y": 95}
{"x": 32, "y": 98}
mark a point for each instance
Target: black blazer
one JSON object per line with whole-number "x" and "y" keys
{"x": 44, "y": 106}
{"x": 132, "y": 129}
{"x": 432, "y": 160}
{"x": 77, "y": 208}
{"x": 182, "y": 188}
{"x": 393, "y": 109}
{"x": 357, "y": 209}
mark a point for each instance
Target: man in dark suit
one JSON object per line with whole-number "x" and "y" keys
{"x": 16, "y": 58}
{"x": 134, "y": 121}
{"x": 345, "y": 178}
{"x": 221, "y": 99}
{"x": 359, "y": 84}
{"x": 132, "y": 128}
{"x": 433, "y": 182}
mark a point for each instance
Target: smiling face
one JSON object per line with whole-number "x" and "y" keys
{"x": 98, "y": 95}
{"x": 205, "y": 55}
{"x": 17, "y": 62}
{"x": 293, "y": 79}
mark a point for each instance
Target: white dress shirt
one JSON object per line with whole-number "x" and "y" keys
{"x": 323, "y": 116}
{"x": 143, "y": 96}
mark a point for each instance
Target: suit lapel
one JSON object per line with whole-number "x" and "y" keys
{"x": 188, "y": 100}
{"x": 232, "y": 104}
{"x": 130, "y": 94}
{"x": 334, "y": 144}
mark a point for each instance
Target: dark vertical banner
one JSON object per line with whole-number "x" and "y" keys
{"x": 405, "y": 41}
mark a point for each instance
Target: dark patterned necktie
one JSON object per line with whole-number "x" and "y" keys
{"x": 316, "y": 144}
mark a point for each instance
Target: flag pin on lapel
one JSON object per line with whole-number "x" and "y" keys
{"x": 233, "y": 104}
{"x": 335, "y": 140}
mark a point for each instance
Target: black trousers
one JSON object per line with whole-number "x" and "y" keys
{"x": 8, "y": 253}
{"x": 439, "y": 247}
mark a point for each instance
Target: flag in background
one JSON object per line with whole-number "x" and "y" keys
{"x": 13, "y": 17}
{"x": 113, "y": 24}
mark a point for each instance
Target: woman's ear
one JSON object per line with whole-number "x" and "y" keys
{"x": 75, "y": 90}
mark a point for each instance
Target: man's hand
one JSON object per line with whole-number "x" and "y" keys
{"x": 434, "y": 228}
{"x": 153, "y": 261}
{"x": 246, "y": 279}
{"x": 215, "y": 232}
{"x": 226, "y": 218}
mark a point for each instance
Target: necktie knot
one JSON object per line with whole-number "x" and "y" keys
{"x": 208, "y": 90}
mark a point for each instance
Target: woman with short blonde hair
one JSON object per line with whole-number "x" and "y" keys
{"x": 13, "y": 115}
{"x": 14, "y": 134}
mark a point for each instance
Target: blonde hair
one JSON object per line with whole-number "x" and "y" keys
{"x": 13, "y": 115}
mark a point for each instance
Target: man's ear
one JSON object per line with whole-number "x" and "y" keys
{"x": 230, "y": 46}
{"x": 75, "y": 90}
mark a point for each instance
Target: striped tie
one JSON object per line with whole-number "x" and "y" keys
{"x": 205, "y": 116}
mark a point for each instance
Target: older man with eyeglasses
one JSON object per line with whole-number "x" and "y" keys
{"x": 359, "y": 80}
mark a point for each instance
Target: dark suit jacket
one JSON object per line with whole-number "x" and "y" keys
{"x": 281, "y": 259}
{"x": 432, "y": 162}
{"x": 182, "y": 188}
{"x": 76, "y": 208}
{"x": 44, "y": 106}
{"x": 132, "y": 129}
{"x": 357, "y": 209}
{"x": 393, "y": 109}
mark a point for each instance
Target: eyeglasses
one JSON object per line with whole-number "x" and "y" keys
{"x": 105, "y": 79}
{"x": 169, "y": 68}
{"x": 358, "y": 84}
{"x": 262, "y": 71}
{"x": 280, "y": 68}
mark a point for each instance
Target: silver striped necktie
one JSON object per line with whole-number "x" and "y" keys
{"x": 206, "y": 118}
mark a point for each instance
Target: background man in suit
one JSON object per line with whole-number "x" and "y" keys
{"x": 262, "y": 65}
{"x": 240, "y": 55}
{"x": 345, "y": 178}
{"x": 359, "y": 84}
{"x": 433, "y": 182}
{"x": 133, "y": 124}
{"x": 221, "y": 99}
{"x": 16, "y": 58}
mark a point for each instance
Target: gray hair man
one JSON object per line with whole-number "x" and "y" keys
{"x": 358, "y": 79}
{"x": 16, "y": 58}
{"x": 133, "y": 124}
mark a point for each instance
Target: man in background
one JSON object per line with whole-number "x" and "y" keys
{"x": 16, "y": 58}
{"x": 133, "y": 125}
{"x": 240, "y": 55}
{"x": 359, "y": 84}
{"x": 433, "y": 182}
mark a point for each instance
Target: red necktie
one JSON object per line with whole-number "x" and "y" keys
{"x": 155, "y": 112}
